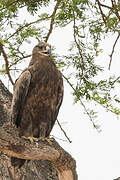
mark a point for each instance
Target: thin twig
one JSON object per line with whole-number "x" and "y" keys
{"x": 113, "y": 49}
{"x": 6, "y": 63}
{"x": 52, "y": 20}
{"x": 80, "y": 53}
{"x": 81, "y": 102}
{"x": 21, "y": 58}
{"x": 64, "y": 131}
{"x": 105, "y": 6}
{"x": 115, "y": 8}
{"x": 59, "y": 138}
{"x": 102, "y": 14}
{"x": 26, "y": 25}
{"x": 78, "y": 45}
{"x": 115, "y": 80}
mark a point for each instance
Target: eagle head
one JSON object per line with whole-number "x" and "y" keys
{"x": 43, "y": 48}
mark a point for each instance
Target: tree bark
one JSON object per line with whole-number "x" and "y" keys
{"x": 44, "y": 161}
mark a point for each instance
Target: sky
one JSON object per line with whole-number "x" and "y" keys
{"x": 97, "y": 154}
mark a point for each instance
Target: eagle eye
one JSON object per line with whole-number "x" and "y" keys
{"x": 40, "y": 47}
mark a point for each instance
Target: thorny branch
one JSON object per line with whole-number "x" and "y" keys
{"x": 94, "y": 125}
{"x": 6, "y": 63}
{"x": 78, "y": 45}
{"x": 113, "y": 49}
{"x": 114, "y": 7}
{"x": 116, "y": 11}
{"x": 52, "y": 20}
{"x": 34, "y": 22}
{"x": 80, "y": 53}
{"x": 26, "y": 25}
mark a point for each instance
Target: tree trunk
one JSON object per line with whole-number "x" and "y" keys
{"x": 44, "y": 161}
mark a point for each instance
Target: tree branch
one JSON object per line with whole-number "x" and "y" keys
{"x": 26, "y": 25}
{"x": 12, "y": 145}
{"x": 94, "y": 125}
{"x": 18, "y": 148}
{"x": 113, "y": 49}
{"x": 115, "y": 8}
{"x": 6, "y": 63}
{"x": 63, "y": 131}
{"x": 108, "y": 7}
{"x": 52, "y": 20}
{"x": 21, "y": 58}
{"x": 77, "y": 44}
{"x": 103, "y": 15}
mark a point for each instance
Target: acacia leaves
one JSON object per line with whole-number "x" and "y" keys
{"x": 24, "y": 21}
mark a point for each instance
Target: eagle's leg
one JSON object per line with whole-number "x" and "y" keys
{"x": 31, "y": 138}
{"x": 43, "y": 135}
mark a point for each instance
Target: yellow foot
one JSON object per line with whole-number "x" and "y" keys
{"x": 31, "y": 138}
{"x": 49, "y": 140}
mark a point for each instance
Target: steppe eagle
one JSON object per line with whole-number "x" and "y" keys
{"x": 37, "y": 96}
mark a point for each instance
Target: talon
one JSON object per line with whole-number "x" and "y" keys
{"x": 31, "y": 138}
{"x": 49, "y": 140}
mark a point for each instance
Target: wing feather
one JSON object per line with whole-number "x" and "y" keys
{"x": 20, "y": 92}
{"x": 60, "y": 95}
{"x": 59, "y": 99}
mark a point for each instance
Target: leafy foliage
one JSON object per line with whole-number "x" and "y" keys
{"x": 91, "y": 22}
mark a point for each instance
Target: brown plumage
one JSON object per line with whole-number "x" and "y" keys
{"x": 37, "y": 96}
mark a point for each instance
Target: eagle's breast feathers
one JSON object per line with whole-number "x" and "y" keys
{"x": 38, "y": 95}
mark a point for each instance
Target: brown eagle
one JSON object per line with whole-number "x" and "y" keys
{"x": 37, "y": 96}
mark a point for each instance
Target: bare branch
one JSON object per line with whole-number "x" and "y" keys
{"x": 52, "y": 20}
{"x": 63, "y": 131}
{"x": 6, "y": 63}
{"x": 59, "y": 138}
{"x": 113, "y": 49}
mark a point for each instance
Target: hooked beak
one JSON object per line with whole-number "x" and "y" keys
{"x": 48, "y": 50}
